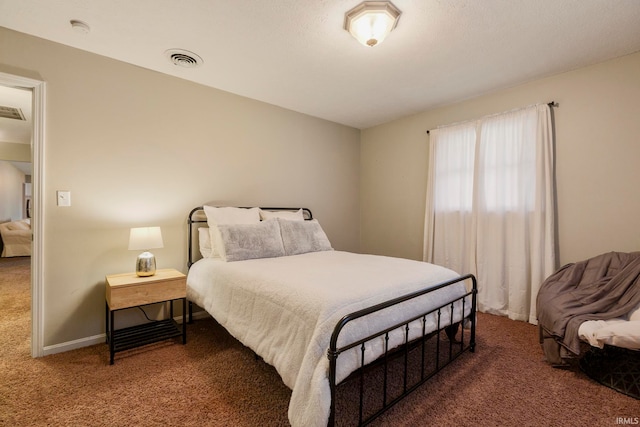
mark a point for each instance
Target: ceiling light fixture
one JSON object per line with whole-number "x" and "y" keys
{"x": 371, "y": 21}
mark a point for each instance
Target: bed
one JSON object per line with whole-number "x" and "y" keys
{"x": 15, "y": 238}
{"x": 323, "y": 317}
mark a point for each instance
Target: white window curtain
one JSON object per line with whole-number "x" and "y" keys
{"x": 490, "y": 206}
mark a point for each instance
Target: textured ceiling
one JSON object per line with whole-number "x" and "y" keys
{"x": 296, "y": 54}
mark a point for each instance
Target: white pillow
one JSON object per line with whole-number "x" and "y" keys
{"x": 290, "y": 215}
{"x": 251, "y": 241}
{"x": 620, "y": 334}
{"x": 204, "y": 242}
{"x": 299, "y": 237}
{"x": 227, "y": 215}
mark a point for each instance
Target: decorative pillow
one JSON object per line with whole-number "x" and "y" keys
{"x": 299, "y": 237}
{"x": 635, "y": 314}
{"x": 250, "y": 241}
{"x": 227, "y": 215}
{"x": 291, "y": 215}
{"x": 204, "y": 241}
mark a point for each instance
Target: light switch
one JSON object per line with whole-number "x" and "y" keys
{"x": 64, "y": 198}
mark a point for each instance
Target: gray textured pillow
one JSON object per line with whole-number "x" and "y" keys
{"x": 300, "y": 237}
{"x": 250, "y": 241}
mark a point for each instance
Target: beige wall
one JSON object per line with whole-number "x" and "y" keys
{"x": 135, "y": 148}
{"x": 15, "y": 152}
{"x": 598, "y": 146}
{"x": 11, "y": 191}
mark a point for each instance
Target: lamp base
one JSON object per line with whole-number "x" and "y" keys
{"x": 146, "y": 264}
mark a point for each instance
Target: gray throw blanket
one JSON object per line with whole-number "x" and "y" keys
{"x": 600, "y": 288}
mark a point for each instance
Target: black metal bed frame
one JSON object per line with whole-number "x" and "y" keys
{"x": 427, "y": 367}
{"x": 455, "y": 349}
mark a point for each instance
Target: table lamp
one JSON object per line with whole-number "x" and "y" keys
{"x": 145, "y": 238}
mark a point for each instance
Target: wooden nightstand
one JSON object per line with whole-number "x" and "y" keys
{"x": 128, "y": 290}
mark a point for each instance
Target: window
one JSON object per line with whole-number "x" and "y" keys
{"x": 453, "y": 164}
{"x": 506, "y": 164}
{"x": 490, "y": 206}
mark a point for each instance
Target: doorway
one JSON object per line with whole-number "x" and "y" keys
{"x": 36, "y": 209}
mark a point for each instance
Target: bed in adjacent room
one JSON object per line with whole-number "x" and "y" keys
{"x": 272, "y": 279}
{"x": 15, "y": 238}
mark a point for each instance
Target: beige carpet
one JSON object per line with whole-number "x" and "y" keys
{"x": 15, "y": 309}
{"x": 215, "y": 381}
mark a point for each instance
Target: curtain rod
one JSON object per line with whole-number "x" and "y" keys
{"x": 550, "y": 104}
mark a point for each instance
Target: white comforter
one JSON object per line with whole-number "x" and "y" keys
{"x": 285, "y": 310}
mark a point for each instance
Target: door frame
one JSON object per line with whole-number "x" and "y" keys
{"x": 38, "y": 89}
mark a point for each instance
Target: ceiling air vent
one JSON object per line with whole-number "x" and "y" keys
{"x": 11, "y": 113}
{"x": 183, "y": 58}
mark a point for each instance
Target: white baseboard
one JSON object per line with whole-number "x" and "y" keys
{"x": 72, "y": 345}
{"x": 201, "y": 314}
{"x": 101, "y": 338}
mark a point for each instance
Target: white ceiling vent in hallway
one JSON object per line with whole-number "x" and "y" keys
{"x": 11, "y": 113}
{"x": 183, "y": 58}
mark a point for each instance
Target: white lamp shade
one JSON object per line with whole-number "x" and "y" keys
{"x": 144, "y": 238}
{"x": 371, "y": 21}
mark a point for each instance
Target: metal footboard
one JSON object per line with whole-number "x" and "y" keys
{"x": 430, "y": 357}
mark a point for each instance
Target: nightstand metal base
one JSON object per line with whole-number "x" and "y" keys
{"x": 146, "y": 333}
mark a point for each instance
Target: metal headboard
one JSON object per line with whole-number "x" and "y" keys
{"x": 197, "y": 216}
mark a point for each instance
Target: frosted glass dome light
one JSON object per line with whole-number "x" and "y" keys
{"x": 371, "y": 21}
